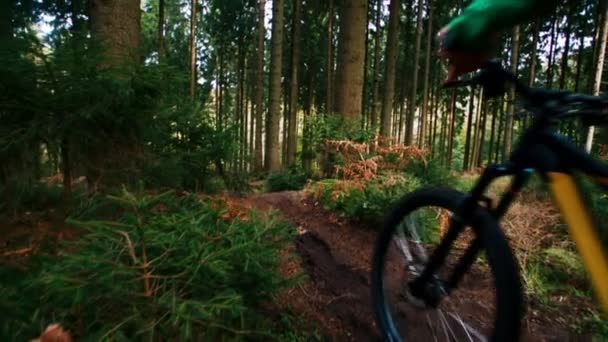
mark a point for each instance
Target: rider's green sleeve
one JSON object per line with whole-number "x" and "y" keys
{"x": 481, "y": 17}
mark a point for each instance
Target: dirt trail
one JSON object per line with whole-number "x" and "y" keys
{"x": 336, "y": 256}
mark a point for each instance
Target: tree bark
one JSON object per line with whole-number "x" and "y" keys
{"x": 409, "y": 131}
{"x": 66, "y": 170}
{"x": 193, "y": 51}
{"x": 551, "y": 53}
{"x": 599, "y": 69}
{"x": 427, "y": 67}
{"x": 452, "y": 124}
{"x": 482, "y": 137}
{"x": 6, "y": 20}
{"x": 532, "y": 77}
{"x": 351, "y": 59}
{"x": 292, "y": 135}
{"x": 307, "y": 148}
{"x": 258, "y": 96}
{"x": 467, "y": 144}
{"x": 161, "y": 31}
{"x": 376, "y": 68}
{"x": 329, "y": 64}
{"x": 566, "y": 54}
{"x": 390, "y": 65}
{"x": 115, "y": 28}
{"x": 273, "y": 120}
{"x": 508, "y": 142}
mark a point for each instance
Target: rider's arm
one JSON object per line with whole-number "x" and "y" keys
{"x": 470, "y": 29}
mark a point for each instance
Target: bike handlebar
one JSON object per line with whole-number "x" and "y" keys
{"x": 494, "y": 79}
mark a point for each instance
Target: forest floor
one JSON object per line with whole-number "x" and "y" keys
{"x": 336, "y": 253}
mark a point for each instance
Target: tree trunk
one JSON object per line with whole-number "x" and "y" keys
{"x": 390, "y": 65}
{"x": 307, "y": 148}
{"x": 409, "y": 131}
{"x": 294, "y": 84}
{"x": 501, "y": 125}
{"x": 467, "y": 144}
{"x": 329, "y": 64}
{"x": 193, "y": 51}
{"x": 258, "y": 96}
{"x": 351, "y": 59}
{"x": 452, "y": 124}
{"x": 599, "y": 69}
{"x": 6, "y": 21}
{"x": 376, "y": 68}
{"x": 476, "y": 133}
{"x": 66, "y": 170}
{"x": 115, "y": 27}
{"x": 532, "y": 76}
{"x": 565, "y": 55}
{"x": 427, "y": 67}
{"x": 533, "y": 57}
{"x": 274, "y": 104}
{"x": 161, "y": 31}
{"x": 242, "y": 111}
{"x": 579, "y": 61}
{"x": 482, "y": 137}
{"x": 444, "y": 125}
{"x": 552, "y": 49}
{"x": 509, "y": 115}
{"x": 492, "y": 132}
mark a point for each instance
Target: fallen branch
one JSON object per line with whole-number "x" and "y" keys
{"x": 17, "y": 252}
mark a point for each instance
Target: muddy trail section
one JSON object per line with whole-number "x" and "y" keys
{"x": 335, "y": 254}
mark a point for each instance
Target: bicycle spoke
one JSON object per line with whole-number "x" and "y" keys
{"x": 468, "y": 329}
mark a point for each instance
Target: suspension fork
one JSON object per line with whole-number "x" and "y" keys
{"x": 459, "y": 221}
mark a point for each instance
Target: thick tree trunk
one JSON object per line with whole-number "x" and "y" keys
{"x": 427, "y": 67}
{"x": 508, "y": 142}
{"x": 599, "y": 69}
{"x": 292, "y": 135}
{"x": 161, "y": 31}
{"x": 376, "y": 68}
{"x": 351, "y": 59}
{"x": 409, "y": 131}
{"x": 258, "y": 96}
{"x": 329, "y": 64}
{"x": 390, "y": 65}
{"x": 274, "y": 104}
{"x": 193, "y": 51}
{"x": 115, "y": 27}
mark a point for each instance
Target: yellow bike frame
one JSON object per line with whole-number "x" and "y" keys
{"x": 582, "y": 230}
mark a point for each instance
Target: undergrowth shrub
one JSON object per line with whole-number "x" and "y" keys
{"x": 168, "y": 268}
{"x": 430, "y": 172}
{"x": 364, "y": 201}
{"x": 291, "y": 179}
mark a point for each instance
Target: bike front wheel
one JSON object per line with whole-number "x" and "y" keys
{"x": 487, "y": 304}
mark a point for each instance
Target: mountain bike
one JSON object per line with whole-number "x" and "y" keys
{"x": 417, "y": 287}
